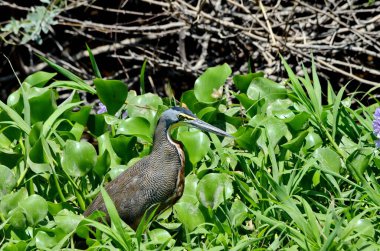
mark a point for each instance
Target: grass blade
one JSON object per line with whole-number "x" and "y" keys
{"x": 68, "y": 74}
{"x": 142, "y": 78}
{"x": 93, "y": 63}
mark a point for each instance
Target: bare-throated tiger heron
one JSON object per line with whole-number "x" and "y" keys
{"x": 157, "y": 178}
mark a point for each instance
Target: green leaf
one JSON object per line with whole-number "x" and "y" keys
{"x": 7, "y": 180}
{"x": 159, "y": 236}
{"x": 15, "y": 117}
{"x": 213, "y": 188}
{"x": 206, "y": 88}
{"x": 78, "y": 158}
{"x": 196, "y": 144}
{"x": 328, "y": 159}
{"x": 249, "y": 104}
{"x": 245, "y": 136}
{"x": 189, "y": 214}
{"x": 48, "y": 125}
{"x": 102, "y": 164}
{"x": 142, "y": 78}
{"x": 188, "y": 97}
{"x": 189, "y": 193}
{"x": 145, "y": 106}
{"x": 295, "y": 144}
{"x": 276, "y": 129}
{"x": 35, "y": 209}
{"x": 10, "y": 201}
{"x": 39, "y": 79}
{"x": 69, "y": 75}
{"x": 115, "y": 219}
{"x": 42, "y": 104}
{"x": 313, "y": 141}
{"x": 136, "y": 126}
{"x": 238, "y": 213}
{"x": 46, "y": 241}
{"x": 263, "y": 88}
{"x": 17, "y": 219}
{"x": 70, "y": 85}
{"x": 358, "y": 161}
{"x": 124, "y": 147}
{"x": 242, "y": 82}
{"x": 67, "y": 220}
{"x": 299, "y": 121}
{"x": 93, "y": 63}
{"x": 112, "y": 93}
{"x": 80, "y": 116}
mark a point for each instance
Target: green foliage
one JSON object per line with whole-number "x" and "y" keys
{"x": 301, "y": 173}
{"x": 39, "y": 19}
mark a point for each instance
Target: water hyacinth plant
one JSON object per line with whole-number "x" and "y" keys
{"x": 376, "y": 126}
{"x": 301, "y": 173}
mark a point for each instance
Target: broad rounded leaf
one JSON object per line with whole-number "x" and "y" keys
{"x": 207, "y": 86}
{"x": 276, "y": 129}
{"x": 45, "y": 241}
{"x": 242, "y": 82}
{"x": 7, "y": 180}
{"x": 112, "y": 93}
{"x": 263, "y": 88}
{"x": 124, "y": 147}
{"x": 189, "y": 214}
{"x": 213, "y": 188}
{"x": 10, "y": 201}
{"x": 313, "y": 141}
{"x": 42, "y": 104}
{"x": 363, "y": 227}
{"x": 136, "y": 126}
{"x": 196, "y": 144}
{"x": 328, "y": 159}
{"x": 244, "y": 137}
{"x": 358, "y": 161}
{"x": 159, "y": 235}
{"x": 189, "y": 194}
{"x": 67, "y": 220}
{"x": 295, "y": 144}
{"x": 144, "y": 106}
{"x": 78, "y": 158}
{"x": 35, "y": 209}
{"x": 17, "y": 219}
{"x": 39, "y": 78}
{"x": 238, "y": 213}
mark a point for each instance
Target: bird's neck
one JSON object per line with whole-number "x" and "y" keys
{"x": 165, "y": 145}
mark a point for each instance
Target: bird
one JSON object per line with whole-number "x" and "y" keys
{"x": 156, "y": 179}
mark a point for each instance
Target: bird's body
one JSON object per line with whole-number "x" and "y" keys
{"x": 157, "y": 179}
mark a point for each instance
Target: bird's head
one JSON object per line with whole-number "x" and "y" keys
{"x": 178, "y": 116}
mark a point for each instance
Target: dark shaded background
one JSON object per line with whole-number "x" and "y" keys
{"x": 180, "y": 39}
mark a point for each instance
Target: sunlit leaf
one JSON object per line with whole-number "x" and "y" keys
{"x": 40, "y": 78}
{"x": 263, "y": 88}
{"x": 196, "y": 144}
{"x": 136, "y": 126}
{"x": 213, "y": 188}
{"x": 242, "y": 82}
{"x": 112, "y": 93}
{"x": 328, "y": 159}
{"x": 78, "y": 158}
{"x": 35, "y": 209}
{"x": 207, "y": 86}
{"x": 7, "y": 180}
{"x": 189, "y": 214}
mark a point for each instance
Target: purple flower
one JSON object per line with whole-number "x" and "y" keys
{"x": 376, "y": 126}
{"x": 101, "y": 109}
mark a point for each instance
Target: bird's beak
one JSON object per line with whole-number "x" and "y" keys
{"x": 197, "y": 123}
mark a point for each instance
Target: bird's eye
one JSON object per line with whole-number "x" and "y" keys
{"x": 181, "y": 117}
